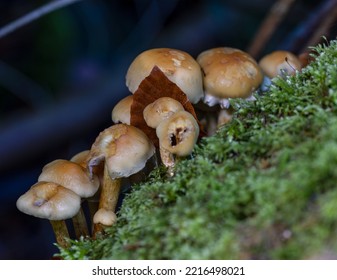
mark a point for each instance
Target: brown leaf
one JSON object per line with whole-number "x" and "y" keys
{"x": 154, "y": 86}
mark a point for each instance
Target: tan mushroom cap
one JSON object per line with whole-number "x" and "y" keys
{"x": 280, "y": 62}
{"x": 121, "y": 113}
{"x": 178, "y": 66}
{"x": 81, "y": 158}
{"x": 71, "y": 176}
{"x": 124, "y": 148}
{"x": 178, "y": 133}
{"x": 104, "y": 217}
{"x": 50, "y": 201}
{"x": 161, "y": 109}
{"x": 229, "y": 73}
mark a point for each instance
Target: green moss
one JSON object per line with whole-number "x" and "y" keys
{"x": 263, "y": 187}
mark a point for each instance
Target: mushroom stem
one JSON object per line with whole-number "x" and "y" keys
{"x": 93, "y": 207}
{"x": 167, "y": 159}
{"x": 61, "y": 232}
{"x": 110, "y": 191}
{"x": 97, "y": 229}
{"x": 80, "y": 224}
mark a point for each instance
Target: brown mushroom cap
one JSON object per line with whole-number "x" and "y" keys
{"x": 50, "y": 201}
{"x": 121, "y": 113}
{"x": 280, "y": 62}
{"x": 71, "y": 176}
{"x": 178, "y": 133}
{"x": 229, "y": 73}
{"x": 161, "y": 109}
{"x": 124, "y": 148}
{"x": 178, "y": 66}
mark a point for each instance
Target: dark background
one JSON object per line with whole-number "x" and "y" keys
{"x": 61, "y": 75}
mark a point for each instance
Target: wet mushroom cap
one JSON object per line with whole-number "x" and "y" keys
{"x": 161, "y": 109}
{"x": 178, "y": 66}
{"x": 124, "y": 148}
{"x": 178, "y": 133}
{"x": 121, "y": 113}
{"x": 229, "y": 72}
{"x": 104, "y": 217}
{"x": 280, "y": 62}
{"x": 70, "y": 175}
{"x": 50, "y": 201}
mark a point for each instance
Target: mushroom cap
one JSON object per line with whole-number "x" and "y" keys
{"x": 280, "y": 62}
{"x": 81, "y": 158}
{"x": 121, "y": 113}
{"x": 178, "y": 133}
{"x": 50, "y": 201}
{"x": 161, "y": 109}
{"x": 124, "y": 148}
{"x": 105, "y": 217}
{"x": 229, "y": 73}
{"x": 71, "y": 176}
{"x": 178, "y": 66}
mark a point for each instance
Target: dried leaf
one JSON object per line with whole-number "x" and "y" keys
{"x": 155, "y": 86}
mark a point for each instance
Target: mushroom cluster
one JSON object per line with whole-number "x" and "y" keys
{"x": 159, "y": 119}
{"x": 57, "y": 196}
{"x": 176, "y": 129}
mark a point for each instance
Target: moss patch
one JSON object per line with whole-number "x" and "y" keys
{"x": 263, "y": 187}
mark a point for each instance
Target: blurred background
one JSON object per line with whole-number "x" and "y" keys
{"x": 61, "y": 75}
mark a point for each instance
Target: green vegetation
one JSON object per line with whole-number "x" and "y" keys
{"x": 263, "y": 187}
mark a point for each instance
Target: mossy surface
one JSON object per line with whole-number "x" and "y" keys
{"x": 263, "y": 187}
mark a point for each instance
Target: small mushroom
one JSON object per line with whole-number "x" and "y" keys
{"x": 74, "y": 177}
{"x": 228, "y": 73}
{"x": 121, "y": 112}
{"x": 104, "y": 218}
{"x": 178, "y": 66}
{"x": 280, "y": 63}
{"x": 54, "y": 202}
{"x": 124, "y": 150}
{"x": 177, "y": 136}
{"x": 81, "y": 158}
{"x": 71, "y": 176}
{"x": 161, "y": 109}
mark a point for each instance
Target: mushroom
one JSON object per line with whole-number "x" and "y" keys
{"x": 228, "y": 73}
{"x": 121, "y": 112}
{"x": 54, "y": 202}
{"x": 71, "y": 176}
{"x": 178, "y": 66}
{"x": 161, "y": 109}
{"x": 153, "y": 87}
{"x": 280, "y": 63}
{"x": 177, "y": 136}
{"x": 81, "y": 158}
{"x": 74, "y": 177}
{"x": 104, "y": 218}
{"x": 124, "y": 150}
